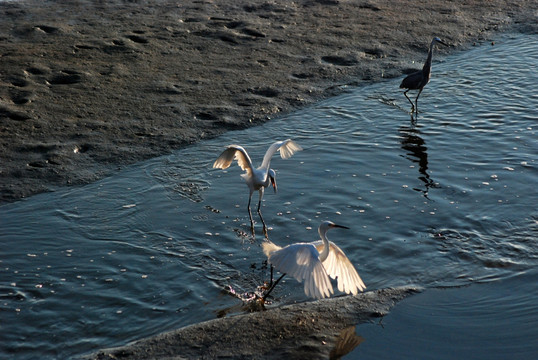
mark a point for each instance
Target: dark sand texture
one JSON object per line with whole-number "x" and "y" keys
{"x": 89, "y": 86}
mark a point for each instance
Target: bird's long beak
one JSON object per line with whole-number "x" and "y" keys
{"x": 340, "y": 226}
{"x": 442, "y": 42}
{"x": 273, "y": 182}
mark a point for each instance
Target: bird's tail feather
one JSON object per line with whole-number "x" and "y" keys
{"x": 268, "y": 247}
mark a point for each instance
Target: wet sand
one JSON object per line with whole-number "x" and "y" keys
{"x": 323, "y": 329}
{"x": 87, "y": 87}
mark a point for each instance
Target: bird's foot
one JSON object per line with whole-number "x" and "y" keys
{"x": 266, "y": 285}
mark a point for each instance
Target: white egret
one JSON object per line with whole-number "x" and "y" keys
{"x": 313, "y": 263}
{"x": 419, "y": 79}
{"x": 257, "y": 178}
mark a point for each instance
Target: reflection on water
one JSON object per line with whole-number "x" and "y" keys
{"x": 416, "y": 151}
{"x": 346, "y": 342}
{"x": 447, "y": 200}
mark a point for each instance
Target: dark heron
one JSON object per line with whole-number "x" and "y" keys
{"x": 419, "y": 79}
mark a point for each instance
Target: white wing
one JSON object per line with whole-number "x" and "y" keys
{"x": 339, "y": 267}
{"x": 287, "y": 148}
{"x": 302, "y": 262}
{"x": 234, "y": 152}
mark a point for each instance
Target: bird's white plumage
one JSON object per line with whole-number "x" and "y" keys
{"x": 287, "y": 148}
{"x": 234, "y": 152}
{"x": 257, "y": 179}
{"x": 340, "y": 268}
{"x": 313, "y": 263}
{"x": 301, "y": 261}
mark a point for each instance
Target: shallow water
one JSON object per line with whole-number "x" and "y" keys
{"x": 496, "y": 320}
{"x": 448, "y": 201}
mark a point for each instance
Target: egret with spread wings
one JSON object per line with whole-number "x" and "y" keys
{"x": 313, "y": 263}
{"x": 256, "y": 178}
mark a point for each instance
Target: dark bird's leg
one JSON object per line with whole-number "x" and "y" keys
{"x": 272, "y": 287}
{"x": 260, "y": 213}
{"x": 250, "y": 215}
{"x": 416, "y": 100}
{"x": 412, "y": 105}
{"x": 414, "y": 118}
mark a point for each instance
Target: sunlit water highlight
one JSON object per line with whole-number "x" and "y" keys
{"x": 447, "y": 202}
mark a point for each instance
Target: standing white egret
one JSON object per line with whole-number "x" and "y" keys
{"x": 313, "y": 263}
{"x": 419, "y": 79}
{"x": 257, "y": 178}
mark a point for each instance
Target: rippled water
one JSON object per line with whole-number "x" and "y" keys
{"x": 447, "y": 201}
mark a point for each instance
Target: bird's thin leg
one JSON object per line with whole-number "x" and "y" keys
{"x": 272, "y": 287}
{"x": 412, "y": 105}
{"x": 416, "y": 101}
{"x": 260, "y": 213}
{"x": 414, "y": 118}
{"x": 250, "y": 215}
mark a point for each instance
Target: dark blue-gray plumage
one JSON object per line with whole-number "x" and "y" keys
{"x": 419, "y": 79}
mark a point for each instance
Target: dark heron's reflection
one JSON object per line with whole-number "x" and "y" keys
{"x": 416, "y": 151}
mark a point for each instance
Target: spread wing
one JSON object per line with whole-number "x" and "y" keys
{"x": 302, "y": 262}
{"x": 339, "y": 267}
{"x": 287, "y": 148}
{"x": 234, "y": 152}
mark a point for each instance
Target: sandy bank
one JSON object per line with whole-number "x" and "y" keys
{"x": 315, "y": 330}
{"x": 87, "y": 87}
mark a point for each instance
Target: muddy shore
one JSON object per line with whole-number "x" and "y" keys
{"x": 87, "y": 87}
{"x": 323, "y": 329}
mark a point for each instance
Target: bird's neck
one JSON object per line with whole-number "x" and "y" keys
{"x": 269, "y": 154}
{"x": 428, "y": 64}
{"x": 325, "y": 252}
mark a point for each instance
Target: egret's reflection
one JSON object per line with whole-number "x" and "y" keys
{"x": 416, "y": 151}
{"x": 346, "y": 342}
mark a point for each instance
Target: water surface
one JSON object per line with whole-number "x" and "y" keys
{"x": 447, "y": 201}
